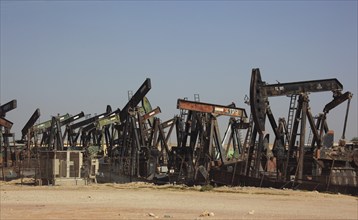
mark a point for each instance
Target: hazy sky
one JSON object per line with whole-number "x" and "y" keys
{"x": 72, "y": 56}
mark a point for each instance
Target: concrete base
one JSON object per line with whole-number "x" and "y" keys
{"x": 70, "y": 182}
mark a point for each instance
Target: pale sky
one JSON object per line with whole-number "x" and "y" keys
{"x": 72, "y": 56}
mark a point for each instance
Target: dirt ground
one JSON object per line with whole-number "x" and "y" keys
{"x": 147, "y": 201}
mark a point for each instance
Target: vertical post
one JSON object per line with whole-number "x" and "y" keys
{"x": 345, "y": 120}
{"x": 6, "y": 146}
{"x": 250, "y": 151}
{"x": 322, "y": 127}
{"x": 292, "y": 138}
{"x": 302, "y": 137}
{"x": 28, "y": 152}
{"x": 53, "y": 173}
{"x": 68, "y": 164}
{"x": 3, "y": 161}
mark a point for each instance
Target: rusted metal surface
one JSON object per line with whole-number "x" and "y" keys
{"x": 300, "y": 162}
{"x": 211, "y": 108}
{"x": 152, "y": 113}
{"x": 338, "y": 99}
{"x": 5, "y": 123}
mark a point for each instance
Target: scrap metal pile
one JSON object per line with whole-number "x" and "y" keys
{"x": 133, "y": 142}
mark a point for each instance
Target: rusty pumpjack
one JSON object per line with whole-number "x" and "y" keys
{"x": 142, "y": 144}
{"x": 192, "y": 162}
{"x": 293, "y": 162}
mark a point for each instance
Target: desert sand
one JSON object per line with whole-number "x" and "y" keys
{"x": 148, "y": 201}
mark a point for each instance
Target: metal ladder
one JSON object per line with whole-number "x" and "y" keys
{"x": 291, "y": 114}
{"x": 246, "y": 147}
{"x": 248, "y": 137}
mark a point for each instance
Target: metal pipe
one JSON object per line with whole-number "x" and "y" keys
{"x": 345, "y": 120}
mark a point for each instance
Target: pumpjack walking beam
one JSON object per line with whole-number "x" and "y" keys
{"x": 30, "y": 123}
{"x": 230, "y": 110}
{"x": 135, "y": 99}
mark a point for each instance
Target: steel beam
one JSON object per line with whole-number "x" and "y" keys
{"x": 211, "y": 108}
{"x": 7, "y": 107}
{"x": 296, "y": 88}
{"x": 5, "y": 123}
{"x": 30, "y": 122}
{"x": 110, "y": 119}
{"x": 47, "y": 124}
{"x": 337, "y": 101}
{"x": 90, "y": 120}
{"x": 72, "y": 119}
{"x": 151, "y": 113}
{"x": 136, "y": 99}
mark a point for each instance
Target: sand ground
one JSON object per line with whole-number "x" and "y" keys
{"x": 147, "y": 201}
